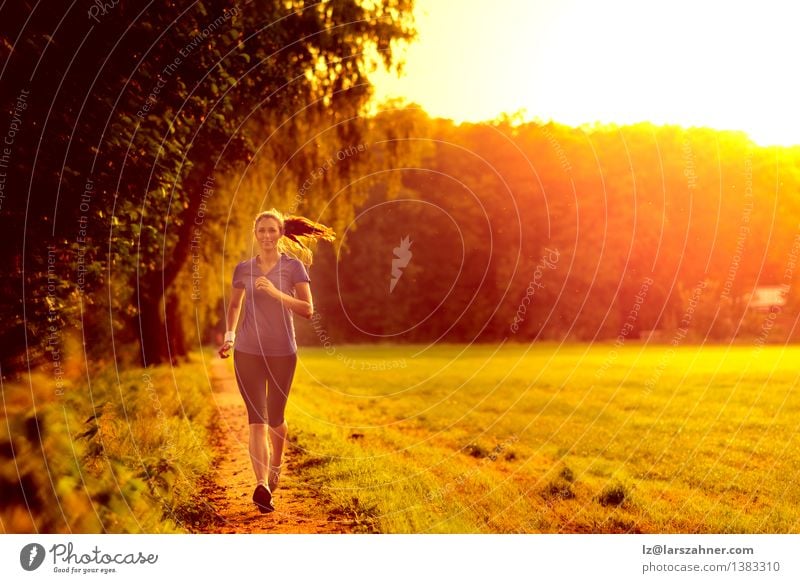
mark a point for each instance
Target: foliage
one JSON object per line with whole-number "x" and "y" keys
{"x": 550, "y": 232}
{"x": 126, "y": 454}
{"x": 138, "y": 112}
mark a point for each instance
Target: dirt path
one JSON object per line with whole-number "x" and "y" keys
{"x": 297, "y": 507}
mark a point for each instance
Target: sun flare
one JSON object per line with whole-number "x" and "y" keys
{"x": 725, "y": 65}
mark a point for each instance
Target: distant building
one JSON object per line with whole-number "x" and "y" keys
{"x": 766, "y": 298}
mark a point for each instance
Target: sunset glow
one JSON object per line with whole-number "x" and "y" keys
{"x": 726, "y": 65}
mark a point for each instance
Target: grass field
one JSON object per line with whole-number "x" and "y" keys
{"x": 549, "y": 438}
{"x": 456, "y": 438}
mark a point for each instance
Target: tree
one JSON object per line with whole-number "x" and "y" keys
{"x": 139, "y": 111}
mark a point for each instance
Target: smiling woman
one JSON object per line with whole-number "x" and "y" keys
{"x": 275, "y": 286}
{"x": 712, "y": 64}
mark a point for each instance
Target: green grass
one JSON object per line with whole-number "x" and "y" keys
{"x": 549, "y": 438}
{"x": 120, "y": 454}
{"x": 456, "y": 438}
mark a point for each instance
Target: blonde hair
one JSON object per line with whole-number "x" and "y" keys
{"x": 293, "y": 228}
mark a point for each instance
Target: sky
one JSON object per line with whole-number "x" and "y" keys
{"x": 726, "y": 65}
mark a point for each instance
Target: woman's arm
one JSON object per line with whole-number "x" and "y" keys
{"x": 303, "y": 292}
{"x": 234, "y": 308}
{"x": 302, "y": 305}
{"x": 231, "y": 318}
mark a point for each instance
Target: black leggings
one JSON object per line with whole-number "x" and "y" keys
{"x": 253, "y": 372}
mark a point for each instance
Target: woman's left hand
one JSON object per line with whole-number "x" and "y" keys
{"x": 266, "y": 286}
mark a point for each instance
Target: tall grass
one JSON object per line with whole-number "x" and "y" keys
{"x": 120, "y": 452}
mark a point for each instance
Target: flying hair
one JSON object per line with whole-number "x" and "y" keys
{"x": 296, "y": 232}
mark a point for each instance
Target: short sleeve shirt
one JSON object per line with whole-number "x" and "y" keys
{"x": 267, "y": 327}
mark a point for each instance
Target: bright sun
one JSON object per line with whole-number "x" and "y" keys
{"x": 726, "y": 65}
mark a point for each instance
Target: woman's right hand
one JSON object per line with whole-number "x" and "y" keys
{"x": 224, "y": 350}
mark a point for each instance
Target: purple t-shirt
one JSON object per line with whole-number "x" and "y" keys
{"x": 267, "y": 327}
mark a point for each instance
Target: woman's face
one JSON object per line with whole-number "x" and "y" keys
{"x": 267, "y": 233}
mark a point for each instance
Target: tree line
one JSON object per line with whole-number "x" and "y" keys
{"x": 539, "y": 231}
{"x": 141, "y": 147}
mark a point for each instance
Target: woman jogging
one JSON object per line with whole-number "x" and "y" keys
{"x": 270, "y": 287}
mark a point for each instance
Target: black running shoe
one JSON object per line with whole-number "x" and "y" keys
{"x": 263, "y": 499}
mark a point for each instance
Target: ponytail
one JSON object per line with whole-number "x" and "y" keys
{"x": 295, "y": 230}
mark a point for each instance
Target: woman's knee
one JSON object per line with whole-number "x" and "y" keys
{"x": 258, "y": 427}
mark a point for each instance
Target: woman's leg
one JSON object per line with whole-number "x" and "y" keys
{"x": 259, "y": 452}
{"x": 281, "y": 374}
{"x": 277, "y": 437}
{"x": 251, "y": 376}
